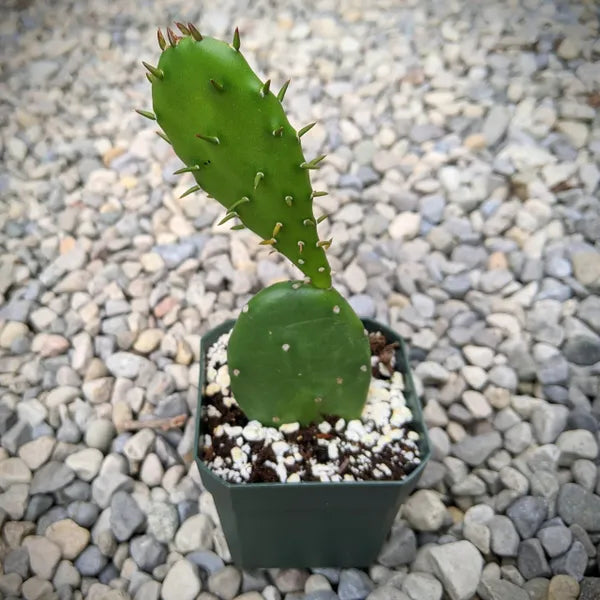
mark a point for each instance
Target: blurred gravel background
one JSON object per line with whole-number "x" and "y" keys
{"x": 463, "y": 143}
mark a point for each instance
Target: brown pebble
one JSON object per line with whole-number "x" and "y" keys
{"x": 497, "y": 260}
{"x": 121, "y": 414}
{"x": 48, "y": 345}
{"x": 475, "y": 141}
{"x": 66, "y": 244}
{"x": 164, "y": 306}
{"x": 456, "y": 514}
{"x": 563, "y": 587}
{"x": 111, "y": 154}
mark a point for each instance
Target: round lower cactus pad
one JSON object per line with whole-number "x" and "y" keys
{"x": 297, "y": 353}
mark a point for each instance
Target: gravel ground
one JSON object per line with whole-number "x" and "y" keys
{"x": 463, "y": 141}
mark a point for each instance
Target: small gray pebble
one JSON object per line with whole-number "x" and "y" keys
{"x": 83, "y": 513}
{"x": 147, "y": 552}
{"x": 528, "y": 513}
{"x": 90, "y": 562}
{"x": 555, "y": 539}
{"x": 126, "y": 516}
{"x": 354, "y": 585}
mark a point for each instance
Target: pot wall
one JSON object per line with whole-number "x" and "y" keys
{"x": 310, "y": 524}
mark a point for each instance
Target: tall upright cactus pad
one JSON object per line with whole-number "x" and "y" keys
{"x": 297, "y": 353}
{"x": 232, "y": 133}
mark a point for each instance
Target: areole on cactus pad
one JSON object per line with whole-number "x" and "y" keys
{"x": 233, "y": 135}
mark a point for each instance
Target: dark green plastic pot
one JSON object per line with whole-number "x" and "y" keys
{"x": 310, "y": 524}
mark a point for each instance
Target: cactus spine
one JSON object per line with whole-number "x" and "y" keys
{"x": 297, "y": 351}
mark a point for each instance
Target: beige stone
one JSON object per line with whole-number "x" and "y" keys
{"x": 148, "y": 341}
{"x": 13, "y": 330}
{"x": 69, "y": 537}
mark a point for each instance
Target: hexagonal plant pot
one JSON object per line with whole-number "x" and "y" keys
{"x": 310, "y": 524}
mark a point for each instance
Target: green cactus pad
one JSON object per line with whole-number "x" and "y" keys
{"x": 297, "y": 353}
{"x": 232, "y": 133}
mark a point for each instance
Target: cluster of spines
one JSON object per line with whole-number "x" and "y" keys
{"x": 190, "y": 30}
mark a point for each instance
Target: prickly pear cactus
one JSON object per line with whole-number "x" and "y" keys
{"x": 298, "y": 351}
{"x": 233, "y": 135}
{"x": 302, "y": 348}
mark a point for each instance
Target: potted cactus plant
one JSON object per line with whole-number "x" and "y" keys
{"x": 309, "y": 433}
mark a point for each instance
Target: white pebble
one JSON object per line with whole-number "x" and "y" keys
{"x": 232, "y": 431}
{"x": 400, "y": 416}
{"x": 253, "y": 431}
{"x": 280, "y": 448}
{"x": 370, "y": 439}
{"x": 213, "y": 411}
{"x": 397, "y": 380}
{"x": 212, "y": 389}
{"x": 332, "y": 451}
{"x": 238, "y": 456}
{"x": 324, "y": 427}
{"x": 223, "y": 379}
{"x": 288, "y": 428}
{"x": 272, "y": 434}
